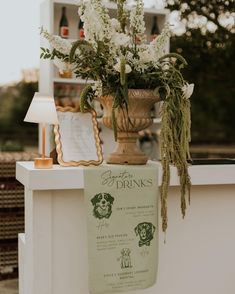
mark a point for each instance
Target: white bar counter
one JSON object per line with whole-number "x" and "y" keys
{"x": 198, "y": 257}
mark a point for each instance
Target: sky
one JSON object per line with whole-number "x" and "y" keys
{"x": 19, "y": 45}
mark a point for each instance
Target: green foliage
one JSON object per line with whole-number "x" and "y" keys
{"x": 212, "y": 63}
{"x": 45, "y": 53}
{"x": 10, "y": 146}
{"x": 175, "y": 134}
{"x": 14, "y": 103}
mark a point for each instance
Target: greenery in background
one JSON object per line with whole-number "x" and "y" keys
{"x": 209, "y": 47}
{"x": 14, "y": 102}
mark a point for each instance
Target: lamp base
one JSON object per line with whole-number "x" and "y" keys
{"x": 42, "y": 163}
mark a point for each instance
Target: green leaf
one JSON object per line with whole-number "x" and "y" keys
{"x": 114, "y": 123}
{"x": 84, "y": 97}
{"x": 76, "y": 45}
{"x": 123, "y": 71}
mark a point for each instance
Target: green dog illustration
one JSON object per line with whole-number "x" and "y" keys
{"x": 145, "y": 231}
{"x": 125, "y": 258}
{"x": 102, "y": 205}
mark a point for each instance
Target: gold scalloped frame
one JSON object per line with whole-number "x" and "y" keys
{"x": 59, "y": 144}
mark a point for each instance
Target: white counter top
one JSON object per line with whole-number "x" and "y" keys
{"x": 73, "y": 178}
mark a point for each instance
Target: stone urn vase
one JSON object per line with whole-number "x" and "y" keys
{"x": 129, "y": 124}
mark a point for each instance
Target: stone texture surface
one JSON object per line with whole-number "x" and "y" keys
{"x": 9, "y": 287}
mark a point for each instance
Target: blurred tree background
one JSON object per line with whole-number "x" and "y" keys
{"x": 208, "y": 44}
{"x": 14, "y": 102}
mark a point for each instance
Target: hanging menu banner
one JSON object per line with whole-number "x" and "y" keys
{"x": 122, "y": 224}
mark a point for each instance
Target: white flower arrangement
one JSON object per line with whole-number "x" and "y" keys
{"x": 116, "y": 56}
{"x": 99, "y": 27}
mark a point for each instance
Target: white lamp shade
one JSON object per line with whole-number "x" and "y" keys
{"x": 42, "y": 110}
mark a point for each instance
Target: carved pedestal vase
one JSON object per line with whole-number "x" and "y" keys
{"x": 129, "y": 124}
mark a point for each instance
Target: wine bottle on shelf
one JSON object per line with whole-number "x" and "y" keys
{"x": 64, "y": 24}
{"x": 81, "y": 34}
{"x": 155, "y": 29}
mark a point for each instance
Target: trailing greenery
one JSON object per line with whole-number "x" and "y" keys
{"x": 175, "y": 138}
{"x": 86, "y": 93}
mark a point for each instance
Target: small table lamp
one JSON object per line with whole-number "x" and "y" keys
{"x": 42, "y": 110}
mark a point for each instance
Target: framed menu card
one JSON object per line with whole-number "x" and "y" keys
{"x": 77, "y": 137}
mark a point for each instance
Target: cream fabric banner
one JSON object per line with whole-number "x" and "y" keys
{"x": 122, "y": 224}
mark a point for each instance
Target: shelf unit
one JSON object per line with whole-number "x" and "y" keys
{"x": 49, "y": 78}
